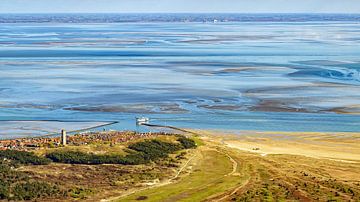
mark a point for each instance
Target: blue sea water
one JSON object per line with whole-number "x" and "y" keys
{"x": 252, "y": 75}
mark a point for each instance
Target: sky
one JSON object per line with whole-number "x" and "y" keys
{"x": 179, "y": 6}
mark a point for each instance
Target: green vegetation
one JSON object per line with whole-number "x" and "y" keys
{"x": 209, "y": 176}
{"x": 31, "y": 190}
{"x": 211, "y": 173}
{"x": 16, "y": 185}
{"x": 76, "y": 157}
{"x": 80, "y": 193}
{"x": 187, "y": 143}
{"x": 22, "y": 157}
{"x": 214, "y": 177}
{"x": 154, "y": 149}
{"x": 26, "y": 185}
{"x": 140, "y": 153}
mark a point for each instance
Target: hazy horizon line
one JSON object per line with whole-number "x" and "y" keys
{"x": 182, "y": 13}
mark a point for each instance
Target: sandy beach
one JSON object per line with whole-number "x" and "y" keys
{"x": 334, "y": 146}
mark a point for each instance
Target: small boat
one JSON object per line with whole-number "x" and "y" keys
{"x": 142, "y": 120}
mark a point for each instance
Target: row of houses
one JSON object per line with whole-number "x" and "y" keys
{"x": 84, "y": 138}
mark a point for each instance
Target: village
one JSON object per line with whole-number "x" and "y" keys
{"x": 83, "y": 138}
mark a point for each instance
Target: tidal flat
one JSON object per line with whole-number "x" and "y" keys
{"x": 277, "y": 76}
{"x": 242, "y": 107}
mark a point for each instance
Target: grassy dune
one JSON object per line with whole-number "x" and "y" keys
{"x": 221, "y": 173}
{"x": 255, "y": 166}
{"x": 209, "y": 173}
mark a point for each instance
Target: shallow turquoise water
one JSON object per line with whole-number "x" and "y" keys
{"x": 283, "y": 76}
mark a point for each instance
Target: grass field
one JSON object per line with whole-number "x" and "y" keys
{"x": 210, "y": 172}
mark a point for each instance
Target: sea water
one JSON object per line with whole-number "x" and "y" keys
{"x": 258, "y": 75}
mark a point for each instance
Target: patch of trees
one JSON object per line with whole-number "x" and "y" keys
{"x": 23, "y": 157}
{"x": 187, "y": 143}
{"x": 141, "y": 153}
{"x": 76, "y": 157}
{"x": 34, "y": 189}
{"x": 155, "y": 149}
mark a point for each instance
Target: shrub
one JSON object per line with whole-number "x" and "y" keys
{"x": 80, "y": 193}
{"x": 32, "y": 190}
{"x": 23, "y": 157}
{"x": 154, "y": 149}
{"x": 187, "y": 143}
{"x": 141, "y": 198}
{"x": 16, "y": 185}
{"x": 145, "y": 152}
{"x": 4, "y": 190}
{"x": 75, "y": 157}
{"x": 70, "y": 157}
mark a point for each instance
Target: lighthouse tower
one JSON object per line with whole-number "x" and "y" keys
{"x": 63, "y": 137}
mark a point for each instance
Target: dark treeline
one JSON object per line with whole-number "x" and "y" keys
{"x": 154, "y": 149}
{"x": 76, "y": 157}
{"x": 22, "y": 157}
{"x": 187, "y": 143}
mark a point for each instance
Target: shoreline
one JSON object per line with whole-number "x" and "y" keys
{"x": 83, "y": 129}
{"x": 51, "y": 134}
{"x": 342, "y": 146}
{"x": 232, "y": 158}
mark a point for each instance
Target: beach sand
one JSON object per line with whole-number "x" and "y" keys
{"x": 335, "y": 146}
